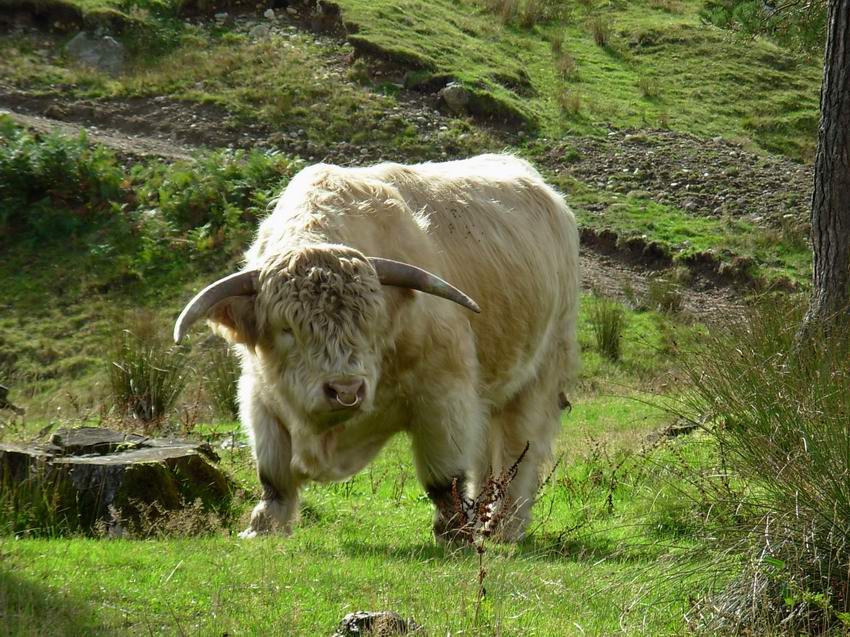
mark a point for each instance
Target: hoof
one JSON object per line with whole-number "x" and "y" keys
{"x": 248, "y": 534}
{"x": 270, "y": 517}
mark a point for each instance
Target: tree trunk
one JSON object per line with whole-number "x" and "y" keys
{"x": 831, "y": 198}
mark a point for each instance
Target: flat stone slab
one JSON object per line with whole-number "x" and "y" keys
{"x": 91, "y": 472}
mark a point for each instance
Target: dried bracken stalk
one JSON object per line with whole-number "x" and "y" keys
{"x": 481, "y": 516}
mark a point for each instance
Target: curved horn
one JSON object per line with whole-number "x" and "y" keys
{"x": 238, "y": 284}
{"x": 404, "y": 275}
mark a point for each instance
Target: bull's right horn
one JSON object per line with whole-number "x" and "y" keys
{"x": 238, "y": 284}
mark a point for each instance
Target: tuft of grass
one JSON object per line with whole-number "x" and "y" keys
{"x": 570, "y": 101}
{"x": 781, "y": 414}
{"x": 600, "y": 29}
{"x": 33, "y": 505}
{"x": 664, "y": 295}
{"x": 566, "y": 66}
{"x": 146, "y": 373}
{"x": 648, "y": 87}
{"x": 221, "y": 381}
{"x": 668, "y": 6}
{"x": 526, "y": 13}
{"x": 147, "y": 520}
{"x": 608, "y": 320}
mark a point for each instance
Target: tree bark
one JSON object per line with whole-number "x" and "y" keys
{"x": 831, "y": 197}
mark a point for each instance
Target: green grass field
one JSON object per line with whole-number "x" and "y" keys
{"x": 609, "y": 524}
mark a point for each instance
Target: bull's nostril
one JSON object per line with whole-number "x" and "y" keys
{"x": 330, "y": 392}
{"x": 345, "y": 393}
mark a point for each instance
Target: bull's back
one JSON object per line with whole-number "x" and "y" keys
{"x": 508, "y": 240}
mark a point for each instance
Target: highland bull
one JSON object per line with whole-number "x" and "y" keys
{"x": 354, "y": 319}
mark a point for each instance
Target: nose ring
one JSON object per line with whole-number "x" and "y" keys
{"x": 351, "y": 404}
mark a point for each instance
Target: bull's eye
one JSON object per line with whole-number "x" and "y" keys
{"x": 284, "y": 340}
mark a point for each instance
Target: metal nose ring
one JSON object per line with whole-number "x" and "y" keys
{"x": 351, "y": 404}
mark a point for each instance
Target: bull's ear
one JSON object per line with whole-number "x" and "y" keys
{"x": 235, "y": 319}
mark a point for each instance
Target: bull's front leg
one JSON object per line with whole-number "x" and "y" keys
{"x": 447, "y": 435}
{"x": 272, "y": 448}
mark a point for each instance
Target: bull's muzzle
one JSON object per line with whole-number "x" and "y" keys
{"x": 345, "y": 393}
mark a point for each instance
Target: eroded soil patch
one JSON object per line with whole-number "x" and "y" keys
{"x": 712, "y": 177}
{"x": 702, "y": 299}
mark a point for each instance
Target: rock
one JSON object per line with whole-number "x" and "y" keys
{"x": 639, "y": 194}
{"x": 269, "y": 14}
{"x": 455, "y": 97}
{"x": 103, "y": 53}
{"x": 259, "y": 32}
{"x": 92, "y": 472}
{"x": 383, "y": 623}
{"x": 55, "y": 111}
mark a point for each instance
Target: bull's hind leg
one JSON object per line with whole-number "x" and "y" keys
{"x": 528, "y": 427}
{"x": 272, "y": 449}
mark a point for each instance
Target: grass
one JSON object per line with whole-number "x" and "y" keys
{"x": 779, "y": 410}
{"x": 146, "y": 372}
{"x": 363, "y": 543}
{"x": 703, "y": 81}
{"x": 221, "y": 375}
{"x": 650, "y": 343}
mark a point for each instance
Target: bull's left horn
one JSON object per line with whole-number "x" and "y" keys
{"x": 404, "y": 275}
{"x": 238, "y": 284}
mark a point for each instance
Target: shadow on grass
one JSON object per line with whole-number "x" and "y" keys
{"x": 413, "y": 552}
{"x": 587, "y": 549}
{"x": 27, "y": 608}
{"x": 549, "y": 547}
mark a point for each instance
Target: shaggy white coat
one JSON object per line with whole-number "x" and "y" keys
{"x": 470, "y": 390}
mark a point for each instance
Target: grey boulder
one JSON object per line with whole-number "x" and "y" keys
{"x": 104, "y": 53}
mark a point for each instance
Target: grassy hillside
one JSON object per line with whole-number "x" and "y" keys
{"x": 542, "y": 76}
{"x": 681, "y": 146}
{"x": 558, "y": 68}
{"x": 580, "y": 67}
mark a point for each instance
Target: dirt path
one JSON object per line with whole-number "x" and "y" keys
{"x": 125, "y": 145}
{"x": 159, "y": 126}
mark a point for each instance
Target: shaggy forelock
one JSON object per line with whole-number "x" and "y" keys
{"x": 328, "y": 295}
